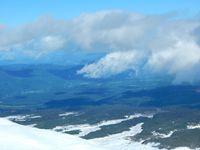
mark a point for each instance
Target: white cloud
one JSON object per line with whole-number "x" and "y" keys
{"x": 181, "y": 61}
{"x": 103, "y": 31}
{"x": 169, "y": 44}
{"x": 111, "y": 64}
{"x": 1, "y": 26}
{"x": 43, "y": 35}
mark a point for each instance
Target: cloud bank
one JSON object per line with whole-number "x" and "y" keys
{"x": 161, "y": 43}
{"x": 111, "y": 64}
{"x": 181, "y": 61}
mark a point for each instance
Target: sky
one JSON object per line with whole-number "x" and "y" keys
{"x": 106, "y": 37}
{"x": 16, "y": 12}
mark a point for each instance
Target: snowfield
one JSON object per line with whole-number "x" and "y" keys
{"x": 18, "y": 137}
{"x": 85, "y": 129}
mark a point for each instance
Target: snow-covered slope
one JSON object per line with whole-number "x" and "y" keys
{"x": 18, "y": 137}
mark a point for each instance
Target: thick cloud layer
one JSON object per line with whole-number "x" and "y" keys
{"x": 166, "y": 43}
{"x": 182, "y": 61}
{"x": 111, "y": 64}
{"x": 101, "y": 31}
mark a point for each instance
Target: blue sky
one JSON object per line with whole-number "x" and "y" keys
{"x": 15, "y": 12}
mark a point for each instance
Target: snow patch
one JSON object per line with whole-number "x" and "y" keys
{"x": 197, "y": 126}
{"x": 20, "y": 118}
{"x": 68, "y": 114}
{"x": 162, "y": 135}
{"x": 85, "y": 129}
{"x": 123, "y": 141}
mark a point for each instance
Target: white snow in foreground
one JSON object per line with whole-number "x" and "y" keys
{"x": 85, "y": 129}
{"x": 193, "y": 126}
{"x": 18, "y": 137}
{"x": 22, "y": 117}
{"x": 32, "y": 125}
